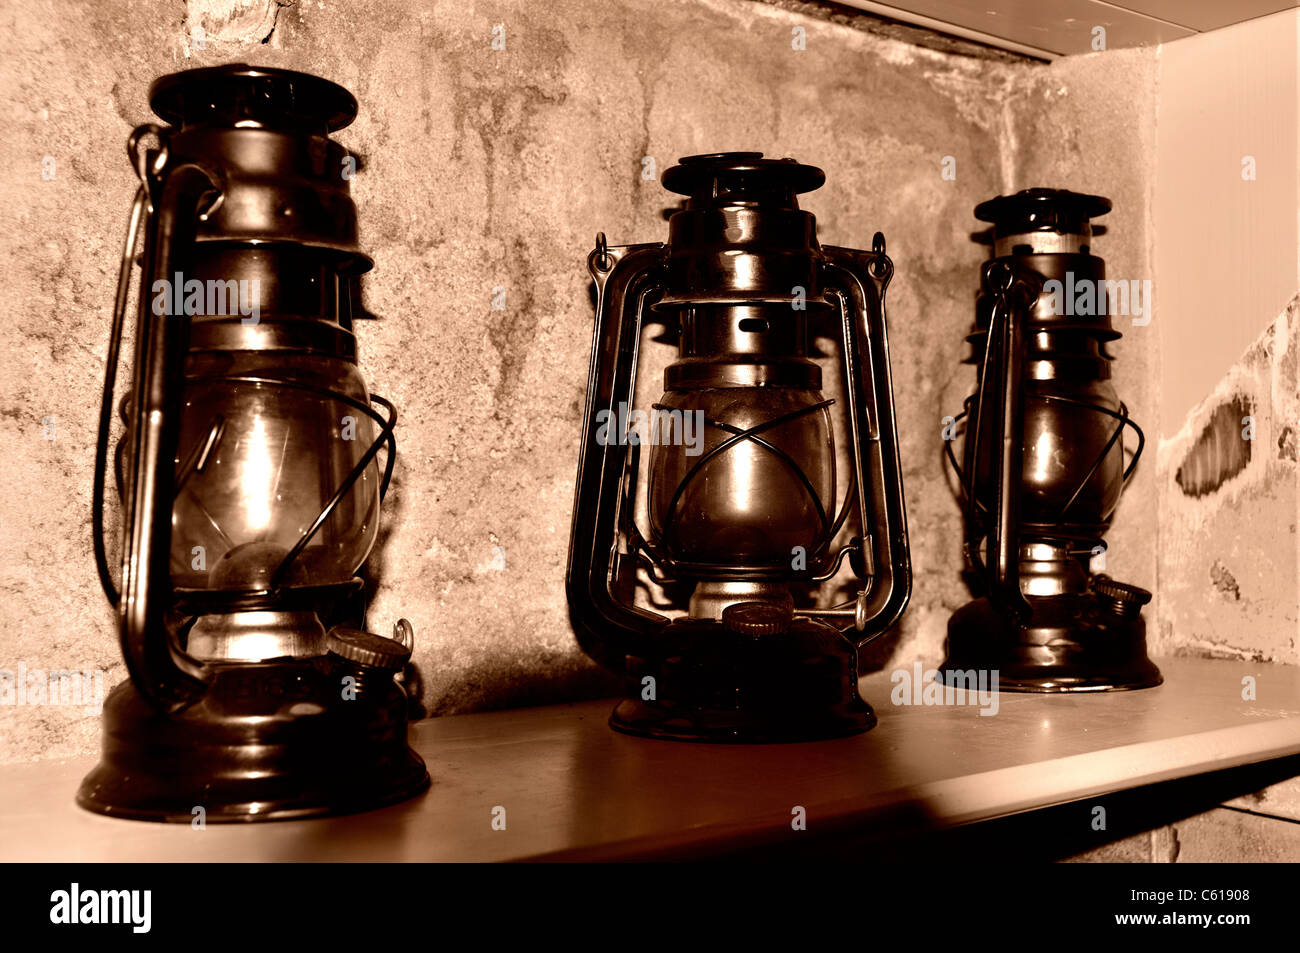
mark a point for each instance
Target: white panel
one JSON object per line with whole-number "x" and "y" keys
{"x": 1225, "y": 249}
{"x": 1205, "y": 15}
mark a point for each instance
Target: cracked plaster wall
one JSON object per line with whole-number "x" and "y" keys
{"x": 1228, "y": 510}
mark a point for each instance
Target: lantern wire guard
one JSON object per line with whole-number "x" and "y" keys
{"x": 1043, "y": 466}
{"x": 747, "y": 523}
{"x": 254, "y": 691}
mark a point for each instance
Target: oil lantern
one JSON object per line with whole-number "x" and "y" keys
{"x": 1043, "y": 462}
{"x": 732, "y": 523}
{"x": 249, "y": 472}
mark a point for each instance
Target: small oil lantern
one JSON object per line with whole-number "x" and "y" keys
{"x": 1044, "y": 463}
{"x": 739, "y": 527}
{"x": 249, "y": 472}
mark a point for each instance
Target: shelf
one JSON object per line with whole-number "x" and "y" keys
{"x": 573, "y": 789}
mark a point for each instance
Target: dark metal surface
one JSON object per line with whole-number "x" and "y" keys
{"x": 716, "y": 685}
{"x": 225, "y": 409}
{"x": 736, "y": 286}
{"x": 267, "y": 741}
{"x": 1043, "y": 466}
{"x": 165, "y": 676}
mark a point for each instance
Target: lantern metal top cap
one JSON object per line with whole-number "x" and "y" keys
{"x": 254, "y": 95}
{"x": 731, "y": 178}
{"x": 1042, "y": 210}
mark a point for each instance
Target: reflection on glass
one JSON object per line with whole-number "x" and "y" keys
{"x": 277, "y": 456}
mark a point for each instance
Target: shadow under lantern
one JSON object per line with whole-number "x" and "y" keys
{"x": 1043, "y": 463}
{"x": 248, "y": 472}
{"x": 741, "y": 527}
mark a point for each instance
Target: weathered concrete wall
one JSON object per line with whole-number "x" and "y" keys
{"x": 492, "y": 169}
{"x": 482, "y": 168}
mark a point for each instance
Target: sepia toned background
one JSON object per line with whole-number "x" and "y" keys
{"x": 491, "y": 168}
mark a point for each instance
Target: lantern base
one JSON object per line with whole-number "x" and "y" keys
{"x": 713, "y": 685}
{"x": 1072, "y": 643}
{"x": 267, "y": 741}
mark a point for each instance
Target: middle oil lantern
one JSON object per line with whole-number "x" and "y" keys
{"x": 716, "y": 613}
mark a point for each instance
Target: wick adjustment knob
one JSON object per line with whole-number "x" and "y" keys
{"x": 757, "y": 618}
{"x": 1120, "y": 597}
{"x": 367, "y": 649}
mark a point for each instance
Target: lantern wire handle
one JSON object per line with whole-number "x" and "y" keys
{"x": 138, "y": 214}
{"x": 972, "y": 500}
{"x": 146, "y": 171}
{"x": 141, "y": 208}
